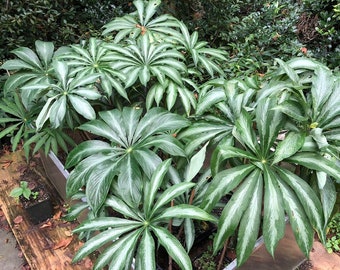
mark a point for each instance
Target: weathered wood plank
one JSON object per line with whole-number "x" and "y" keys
{"x": 39, "y": 244}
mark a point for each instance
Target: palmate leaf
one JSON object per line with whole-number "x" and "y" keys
{"x": 120, "y": 206}
{"x": 302, "y": 229}
{"x": 78, "y": 176}
{"x": 147, "y": 159}
{"x": 289, "y": 146}
{"x": 274, "y": 219}
{"x": 268, "y": 123}
{"x": 99, "y": 240}
{"x": 45, "y": 50}
{"x": 173, "y": 247}
{"x": 130, "y": 183}
{"x": 168, "y": 195}
{"x": 185, "y": 211}
{"x": 224, "y": 152}
{"x": 146, "y": 252}
{"x": 322, "y": 86}
{"x": 150, "y": 191}
{"x": 234, "y": 209}
{"x": 167, "y": 143}
{"x": 250, "y": 224}
{"x": 223, "y": 183}
{"x": 126, "y": 246}
{"x": 308, "y": 198}
{"x": 245, "y": 133}
{"x": 86, "y": 149}
{"x": 82, "y": 106}
{"x": 316, "y": 162}
{"x": 99, "y": 182}
{"x": 328, "y": 196}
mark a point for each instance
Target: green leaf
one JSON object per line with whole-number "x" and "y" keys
{"x": 102, "y": 223}
{"x": 173, "y": 247}
{"x": 224, "y": 152}
{"x": 61, "y": 71}
{"x": 44, "y": 114}
{"x": 209, "y": 99}
{"x": 45, "y": 51}
{"x": 28, "y": 56}
{"x": 131, "y": 118}
{"x": 8, "y": 130}
{"x": 169, "y": 194}
{"x": 155, "y": 182}
{"x": 289, "y": 146}
{"x": 274, "y": 219}
{"x": 268, "y": 123}
{"x": 328, "y": 199}
{"x": 245, "y": 131}
{"x": 146, "y": 252}
{"x": 308, "y": 198}
{"x": 16, "y": 64}
{"x": 288, "y": 70}
{"x": 167, "y": 143}
{"x": 100, "y": 239}
{"x": 316, "y": 162}
{"x": 234, "y": 209}
{"x": 157, "y": 120}
{"x": 130, "y": 181}
{"x": 195, "y": 164}
{"x": 86, "y": 149}
{"x": 58, "y": 112}
{"x": 321, "y": 88}
{"x": 224, "y": 182}
{"x": 121, "y": 207}
{"x": 82, "y": 106}
{"x": 148, "y": 160}
{"x": 98, "y": 184}
{"x": 126, "y": 246}
{"x": 319, "y": 138}
{"x": 83, "y": 81}
{"x": 293, "y": 109}
{"x": 118, "y": 129}
{"x": 250, "y": 224}
{"x": 302, "y": 229}
{"x": 184, "y": 211}
{"x": 189, "y": 232}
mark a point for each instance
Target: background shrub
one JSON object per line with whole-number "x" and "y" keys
{"x": 63, "y": 22}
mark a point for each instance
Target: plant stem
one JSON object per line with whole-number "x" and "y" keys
{"x": 220, "y": 262}
{"x": 192, "y": 195}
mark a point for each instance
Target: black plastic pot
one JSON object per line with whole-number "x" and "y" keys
{"x": 39, "y": 209}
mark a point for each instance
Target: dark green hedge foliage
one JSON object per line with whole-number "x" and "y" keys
{"x": 63, "y": 21}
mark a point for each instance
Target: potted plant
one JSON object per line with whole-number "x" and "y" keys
{"x": 171, "y": 136}
{"x": 35, "y": 200}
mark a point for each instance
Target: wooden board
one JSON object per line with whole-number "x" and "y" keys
{"x": 45, "y": 245}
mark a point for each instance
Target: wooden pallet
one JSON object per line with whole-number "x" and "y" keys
{"x": 44, "y": 245}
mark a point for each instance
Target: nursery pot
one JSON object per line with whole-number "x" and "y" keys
{"x": 39, "y": 209}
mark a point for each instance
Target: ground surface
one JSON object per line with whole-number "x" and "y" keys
{"x": 11, "y": 258}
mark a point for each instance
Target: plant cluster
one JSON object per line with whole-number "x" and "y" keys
{"x": 255, "y": 32}
{"x": 333, "y": 234}
{"x": 24, "y": 191}
{"x": 67, "y": 21}
{"x": 156, "y": 101}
